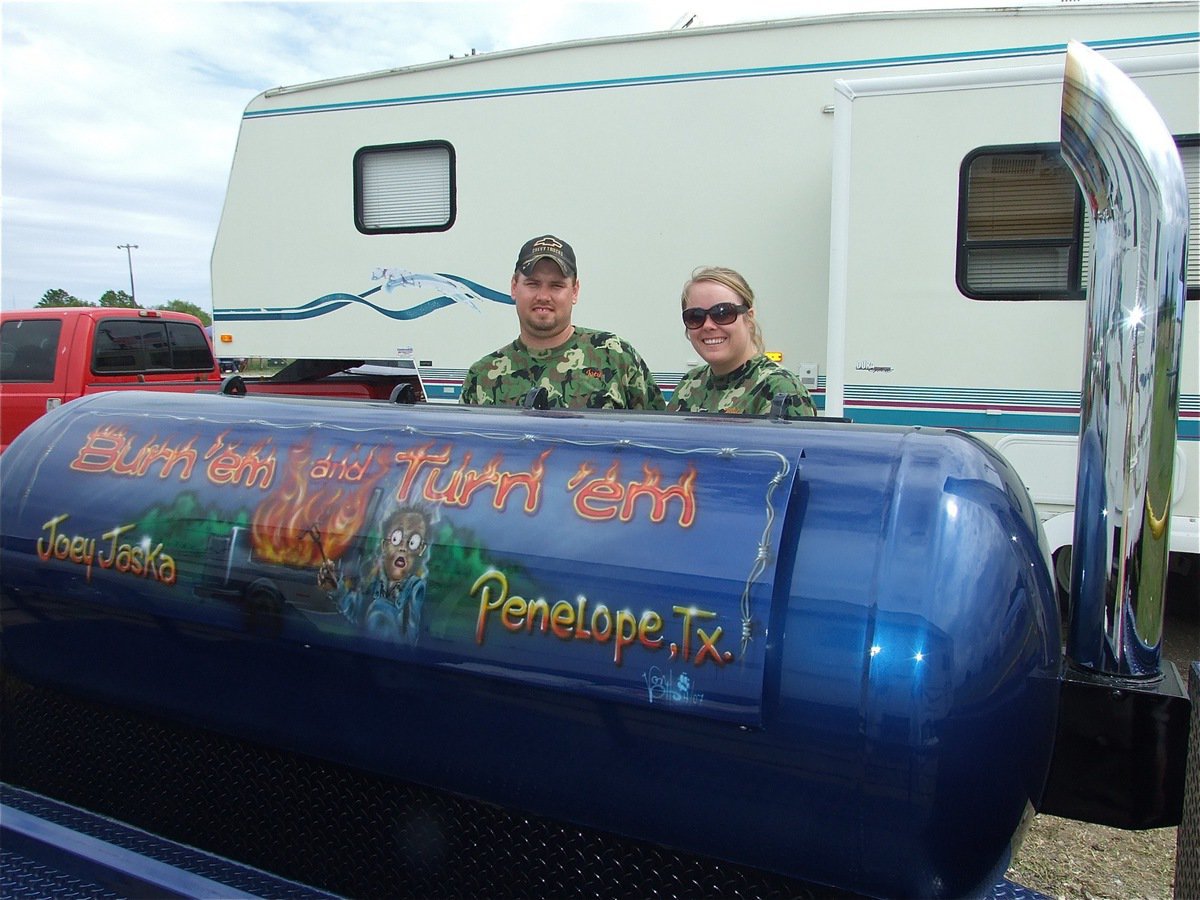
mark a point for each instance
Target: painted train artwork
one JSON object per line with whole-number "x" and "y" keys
{"x": 827, "y": 651}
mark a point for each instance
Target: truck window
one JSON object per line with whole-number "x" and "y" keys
{"x": 135, "y": 345}
{"x": 189, "y": 346}
{"x": 1023, "y": 230}
{"x": 404, "y": 188}
{"x": 28, "y": 349}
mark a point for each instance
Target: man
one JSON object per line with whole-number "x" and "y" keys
{"x": 579, "y": 367}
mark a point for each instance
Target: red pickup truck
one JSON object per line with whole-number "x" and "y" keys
{"x": 49, "y": 356}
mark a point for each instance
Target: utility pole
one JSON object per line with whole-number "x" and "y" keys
{"x": 129, "y": 248}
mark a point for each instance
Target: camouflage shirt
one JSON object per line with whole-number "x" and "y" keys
{"x": 591, "y": 370}
{"x": 748, "y": 390}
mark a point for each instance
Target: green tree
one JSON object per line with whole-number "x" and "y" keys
{"x": 186, "y": 306}
{"x": 118, "y": 298}
{"x": 59, "y": 297}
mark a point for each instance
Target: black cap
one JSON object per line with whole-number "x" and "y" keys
{"x": 546, "y": 247}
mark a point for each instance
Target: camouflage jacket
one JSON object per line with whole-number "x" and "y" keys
{"x": 591, "y": 370}
{"x": 748, "y": 390}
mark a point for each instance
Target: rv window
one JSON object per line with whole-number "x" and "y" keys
{"x": 404, "y": 187}
{"x": 1022, "y": 229}
{"x": 1189, "y": 152}
{"x": 1019, "y": 226}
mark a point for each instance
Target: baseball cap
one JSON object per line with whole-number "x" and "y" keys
{"x": 546, "y": 247}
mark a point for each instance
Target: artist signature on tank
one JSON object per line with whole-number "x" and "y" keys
{"x": 664, "y": 687}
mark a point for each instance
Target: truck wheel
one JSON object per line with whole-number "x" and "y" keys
{"x": 263, "y": 609}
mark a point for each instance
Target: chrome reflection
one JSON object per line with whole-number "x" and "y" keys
{"x": 1127, "y": 165}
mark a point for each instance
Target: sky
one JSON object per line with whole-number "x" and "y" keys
{"x": 119, "y": 119}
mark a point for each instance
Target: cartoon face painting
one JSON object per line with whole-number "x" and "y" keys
{"x": 403, "y": 545}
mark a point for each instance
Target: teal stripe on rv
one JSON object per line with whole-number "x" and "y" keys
{"x": 966, "y": 409}
{"x": 722, "y": 74}
{"x": 965, "y": 421}
{"x": 986, "y": 409}
{"x": 1187, "y": 429}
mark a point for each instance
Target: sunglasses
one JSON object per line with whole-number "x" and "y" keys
{"x": 721, "y": 314}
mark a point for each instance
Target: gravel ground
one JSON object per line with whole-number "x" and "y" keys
{"x": 1081, "y": 861}
{"x": 1068, "y": 859}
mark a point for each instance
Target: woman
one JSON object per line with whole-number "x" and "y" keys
{"x": 718, "y": 318}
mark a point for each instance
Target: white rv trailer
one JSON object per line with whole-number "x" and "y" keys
{"x": 889, "y": 184}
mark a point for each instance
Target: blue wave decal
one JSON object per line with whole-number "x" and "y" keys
{"x": 456, "y": 290}
{"x": 483, "y": 290}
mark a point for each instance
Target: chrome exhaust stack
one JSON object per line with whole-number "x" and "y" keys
{"x": 1129, "y": 170}
{"x": 1120, "y": 751}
